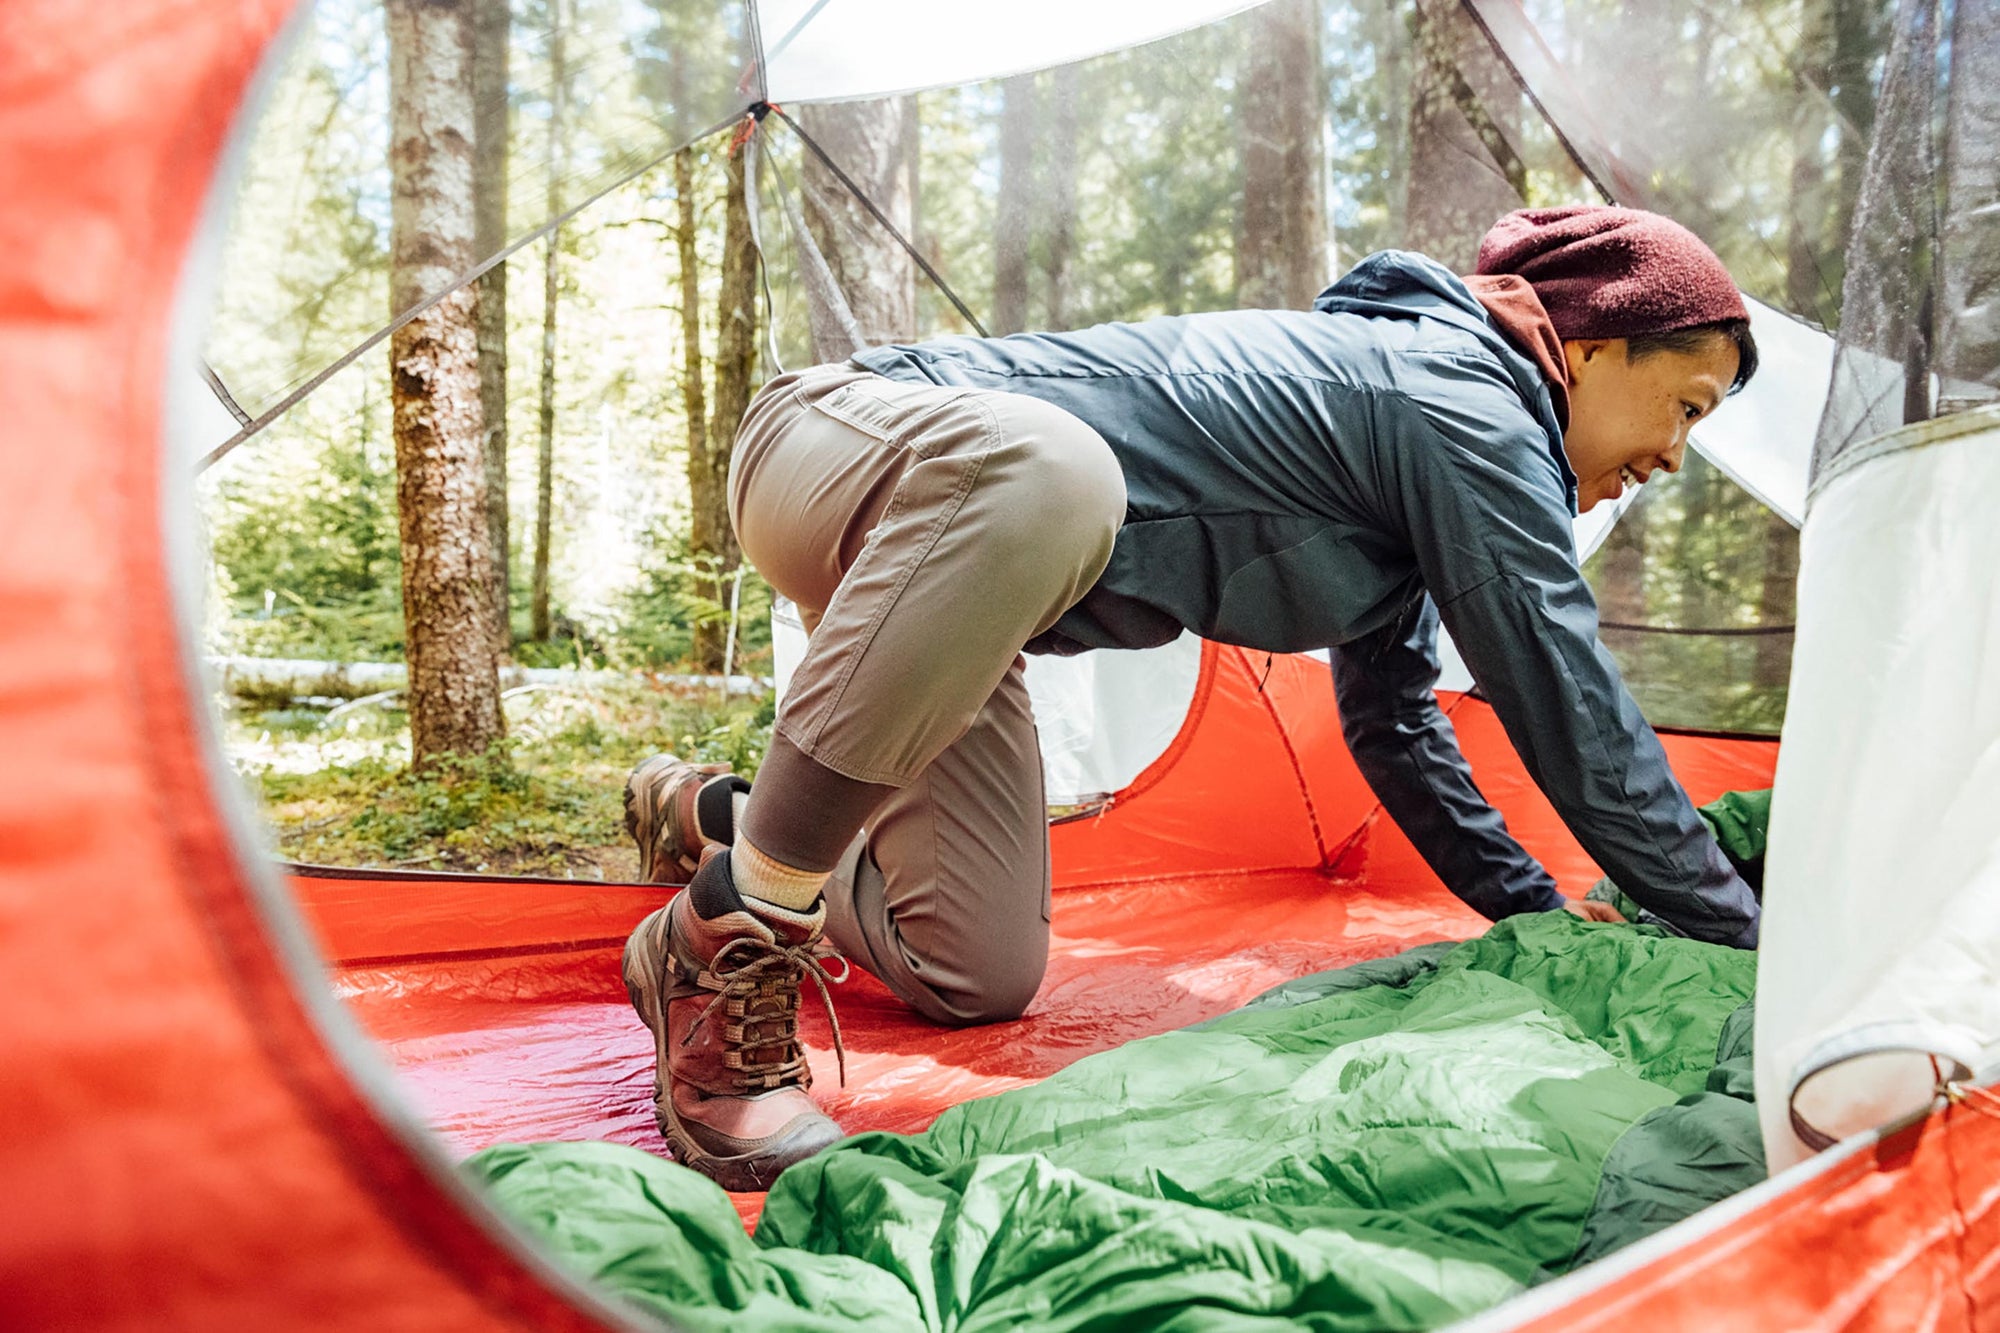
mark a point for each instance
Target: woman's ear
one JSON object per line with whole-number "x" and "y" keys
{"x": 1580, "y": 352}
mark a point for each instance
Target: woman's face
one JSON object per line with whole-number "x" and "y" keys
{"x": 1629, "y": 417}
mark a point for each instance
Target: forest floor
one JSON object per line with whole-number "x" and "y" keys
{"x": 336, "y": 788}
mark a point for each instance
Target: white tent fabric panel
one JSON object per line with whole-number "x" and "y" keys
{"x": 1881, "y": 940}
{"x": 838, "y": 50}
{"x": 1102, "y": 717}
{"x": 1762, "y": 438}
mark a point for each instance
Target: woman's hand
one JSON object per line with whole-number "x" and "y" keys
{"x": 1591, "y": 911}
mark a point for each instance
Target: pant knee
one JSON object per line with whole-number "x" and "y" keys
{"x": 998, "y": 996}
{"x": 994, "y": 987}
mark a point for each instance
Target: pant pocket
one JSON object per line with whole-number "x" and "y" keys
{"x": 888, "y": 411}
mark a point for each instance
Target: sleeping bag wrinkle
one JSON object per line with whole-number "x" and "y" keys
{"x": 1394, "y": 1146}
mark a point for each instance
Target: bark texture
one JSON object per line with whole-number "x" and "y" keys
{"x": 454, "y": 691}
{"x": 492, "y": 20}
{"x": 870, "y": 142}
{"x": 1463, "y": 106}
{"x": 1281, "y": 259}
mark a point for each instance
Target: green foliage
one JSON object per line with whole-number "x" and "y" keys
{"x": 678, "y": 591}
{"x": 312, "y": 555}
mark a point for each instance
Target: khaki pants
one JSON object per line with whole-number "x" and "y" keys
{"x": 926, "y": 533}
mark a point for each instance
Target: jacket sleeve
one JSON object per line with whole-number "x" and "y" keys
{"x": 1487, "y": 514}
{"x": 1406, "y": 749}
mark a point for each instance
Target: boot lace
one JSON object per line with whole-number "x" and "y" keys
{"x": 759, "y": 998}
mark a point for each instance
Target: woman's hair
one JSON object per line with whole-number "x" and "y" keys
{"x": 1692, "y": 339}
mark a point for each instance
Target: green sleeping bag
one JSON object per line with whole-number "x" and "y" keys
{"x": 1391, "y": 1146}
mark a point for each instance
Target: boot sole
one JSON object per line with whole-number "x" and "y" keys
{"x": 746, "y": 1173}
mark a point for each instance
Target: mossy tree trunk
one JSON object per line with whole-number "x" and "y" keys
{"x": 1015, "y": 210}
{"x": 1059, "y": 194}
{"x": 868, "y": 140}
{"x": 1463, "y": 173}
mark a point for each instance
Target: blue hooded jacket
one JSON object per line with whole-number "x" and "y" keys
{"x": 1342, "y": 478}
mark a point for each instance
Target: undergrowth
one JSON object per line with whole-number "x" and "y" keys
{"x": 337, "y": 788}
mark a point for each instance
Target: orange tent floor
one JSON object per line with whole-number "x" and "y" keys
{"x": 534, "y": 1045}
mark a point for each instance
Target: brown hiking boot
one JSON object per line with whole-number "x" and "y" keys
{"x": 673, "y": 808}
{"x": 716, "y": 978}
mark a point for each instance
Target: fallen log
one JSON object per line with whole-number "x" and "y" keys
{"x": 275, "y": 681}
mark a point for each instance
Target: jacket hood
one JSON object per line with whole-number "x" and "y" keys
{"x": 1400, "y": 284}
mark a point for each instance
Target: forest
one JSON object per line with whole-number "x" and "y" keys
{"x": 511, "y": 488}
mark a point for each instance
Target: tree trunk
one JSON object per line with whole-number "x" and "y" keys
{"x": 1014, "y": 215}
{"x": 540, "y": 623}
{"x": 1060, "y": 195}
{"x": 1392, "y": 79}
{"x": 913, "y": 166}
{"x": 1281, "y": 258}
{"x": 276, "y": 681}
{"x": 454, "y": 693}
{"x": 872, "y": 271}
{"x": 491, "y": 31}
{"x": 711, "y": 541}
{"x": 1806, "y": 289}
{"x": 735, "y": 356}
{"x": 694, "y": 399}
{"x": 1859, "y": 37}
{"x": 1463, "y": 173}
{"x": 1807, "y": 292}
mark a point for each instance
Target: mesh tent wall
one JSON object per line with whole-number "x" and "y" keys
{"x": 202, "y": 1137}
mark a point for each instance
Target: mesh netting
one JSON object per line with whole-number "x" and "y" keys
{"x": 1242, "y": 162}
{"x": 1920, "y": 327}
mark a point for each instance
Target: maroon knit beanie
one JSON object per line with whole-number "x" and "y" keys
{"x": 1612, "y": 272}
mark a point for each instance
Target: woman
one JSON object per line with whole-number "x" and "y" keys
{"x": 1410, "y": 450}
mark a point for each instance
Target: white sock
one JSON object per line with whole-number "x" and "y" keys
{"x": 768, "y": 880}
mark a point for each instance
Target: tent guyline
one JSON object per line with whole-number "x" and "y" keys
{"x": 753, "y": 117}
{"x": 759, "y": 111}
{"x": 474, "y": 274}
